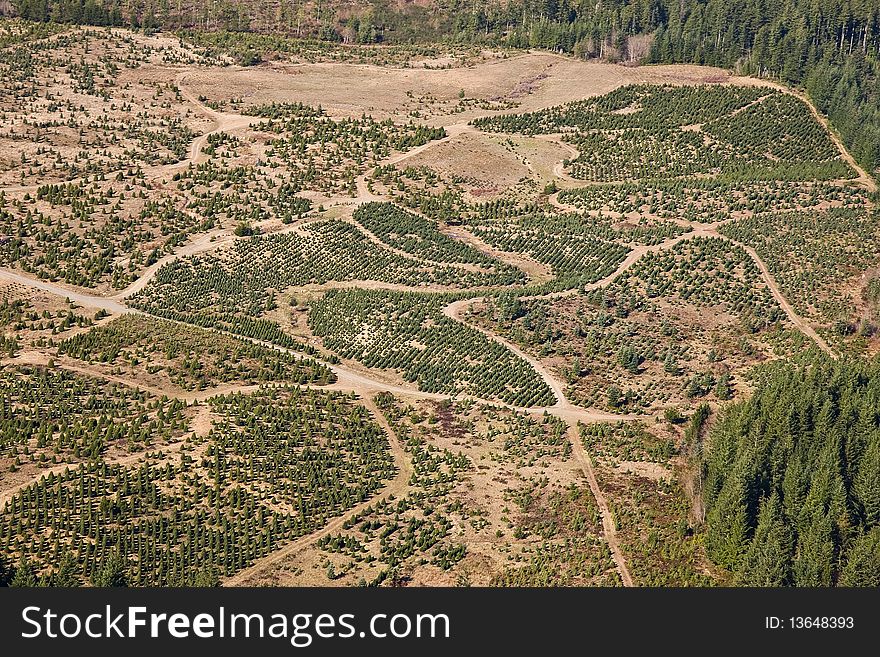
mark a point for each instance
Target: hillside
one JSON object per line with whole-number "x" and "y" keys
{"x": 829, "y": 48}
{"x": 410, "y": 314}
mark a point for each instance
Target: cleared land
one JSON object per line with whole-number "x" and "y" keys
{"x": 329, "y": 323}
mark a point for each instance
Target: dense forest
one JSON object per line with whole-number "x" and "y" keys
{"x": 791, "y": 479}
{"x": 828, "y": 47}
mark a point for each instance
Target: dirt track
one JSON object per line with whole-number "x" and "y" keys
{"x": 454, "y": 311}
{"x": 80, "y": 297}
{"x": 796, "y": 319}
{"x": 863, "y": 178}
{"x": 608, "y": 523}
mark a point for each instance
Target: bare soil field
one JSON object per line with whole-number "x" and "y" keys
{"x": 482, "y": 166}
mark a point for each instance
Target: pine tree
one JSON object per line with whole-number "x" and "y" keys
{"x": 670, "y": 365}
{"x": 207, "y": 578}
{"x": 867, "y": 483}
{"x": 728, "y": 524}
{"x": 722, "y": 388}
{"x": 863, "y": 564}
{"x": 814, "y": 565}
{"x": 767, "y": 561}
{"x": 25, "y": 576}
{"x": 112, "y": 573}
{"x": 807, "y": 440}
{"x": 66, "y": 576}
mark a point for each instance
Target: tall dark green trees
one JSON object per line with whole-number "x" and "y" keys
{"x": 793, "y": 478}
{"x": 767, "y": 562}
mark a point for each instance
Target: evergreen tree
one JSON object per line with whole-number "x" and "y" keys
{"x": 670, "y": 365}
{"x": 722, "y": 387}
{"x": 111, "y": 573}
{"x": 728, "y": 524}
{"x": 863, "y": 564}
{"x": 206, "y": 578}
{"x": 66, "y": 576}
{"x": 25, "y": 575}
{"x": 768, "y": 559}
{"x": 867, "y": 483}
{"x": 805, "y": 442}
{"x": 816, "y": 551}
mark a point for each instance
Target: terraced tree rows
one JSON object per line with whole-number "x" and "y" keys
{"x": 650, "y": 131}
{"x": 704, "y": 271}
{"x": 188, "y": 357}
{"x": 233, "y": 288}
{"x": 708, "y": 200}
{"x": 578, "y": 252}
{"x": 276, "y": 466}
{"x": 420, "y": 237}
{"x": 818, "y": 258}
{"x": 510, "y": 215}
{"x": 646, "y": 107}
{"x": 53, "y": 416}
{"x": 409, "y": 333}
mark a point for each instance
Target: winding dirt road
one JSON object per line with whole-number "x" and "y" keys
{"x": 223, "y": 122}
{"x": 202, "y": 244}
{"x": 863, "y": 178}
{"x": 58, "y": 289}
{"x": 802, "y": 325}
{"x": 454, "y": 311}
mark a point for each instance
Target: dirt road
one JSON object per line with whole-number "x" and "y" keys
{"x": 59, "y": 289}
{"x": 863, "y": 178}
{"x": 454, "y": 311}
{"x": 802, "y": 325}
{"x": 608, "y": 524}
{"x": 202, "y": 244}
